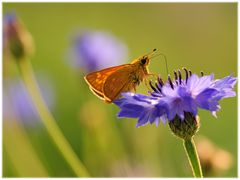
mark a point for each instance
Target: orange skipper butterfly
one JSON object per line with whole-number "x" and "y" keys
{"x": 109, "y": 83}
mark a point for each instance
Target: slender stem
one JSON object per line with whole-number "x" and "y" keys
{"x": 194, "y": 162}
{"x": 48, "y": 120}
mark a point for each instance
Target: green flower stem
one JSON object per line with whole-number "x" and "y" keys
{"x": 194, "y": 162}
{"x": 48, "y": 120}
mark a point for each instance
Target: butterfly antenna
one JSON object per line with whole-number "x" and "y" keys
{"x": 165, "y": 58}
{"x": 154, "y": 54}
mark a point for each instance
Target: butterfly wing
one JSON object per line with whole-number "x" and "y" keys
{"x": 119, "y": 81}
{"x": 96, "y": 79}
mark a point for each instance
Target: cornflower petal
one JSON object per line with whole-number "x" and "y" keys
{"x": 207, "y": 100}
{"x": 131, "y": 111}
{"x": 225, "y": 87}
{"x": 196, "y": 85}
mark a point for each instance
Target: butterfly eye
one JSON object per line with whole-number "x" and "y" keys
{"x": 143, "y": 61}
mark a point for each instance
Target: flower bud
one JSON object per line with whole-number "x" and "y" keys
{"x": 187, "y": 128}
{"x": 16, "y": 39}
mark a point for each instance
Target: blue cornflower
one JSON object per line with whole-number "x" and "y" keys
{"x": 176, "y": 98}
{"x": 95, "y": 50}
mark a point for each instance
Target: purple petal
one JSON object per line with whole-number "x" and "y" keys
{"x": 143, "y": 119}
{"x": 188, "y": 103}
{"x": 153, "y": 115}
{"x": 225, "y": 87}
{"x": 173, "y": 105}
{"x": 196, "y": 85}
{"x": 207, "y": 100}
{"x": 131, "y": 111}
{"x": 227, "y": 82}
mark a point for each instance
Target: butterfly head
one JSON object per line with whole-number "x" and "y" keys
{"x": 145, "y": 59}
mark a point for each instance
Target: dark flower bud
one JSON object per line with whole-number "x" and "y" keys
{"x": 186, "y": 128}
{"x": 16, "y": 39}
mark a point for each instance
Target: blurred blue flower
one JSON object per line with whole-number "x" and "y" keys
{"x": 175, "y": 98}
{"x": 18, "y": 103}
{"x": 95, "y": 50}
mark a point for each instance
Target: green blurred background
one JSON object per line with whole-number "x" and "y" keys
{"x": 199, "y": 36}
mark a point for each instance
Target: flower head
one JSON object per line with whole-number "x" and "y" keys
{"x": 16, "y": 39}
{"x": 95, "y": 50}
{"x": 176, "y": 98}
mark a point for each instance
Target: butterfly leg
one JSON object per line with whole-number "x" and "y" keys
{"x": 146, "y": 84}
{"x": 153, "y": 75}
{"x": 147, "y": 79}
{"x": 134, "y": 89}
